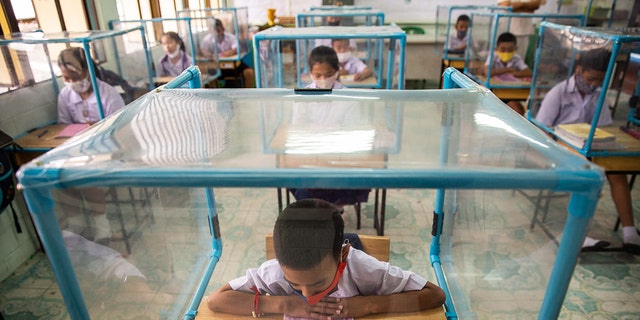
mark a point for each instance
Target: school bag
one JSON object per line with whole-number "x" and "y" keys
{"x": 7, "y": 182}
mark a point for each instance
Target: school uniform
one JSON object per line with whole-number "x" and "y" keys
{"x": 72, "y": 109}
{"x": 515, "y": 62}
{"x": 564, "y": 104}
{"x": 363, "y": 275}
{"x": 228, "y": 42}
{"x": 168, "y": 69}
{"x": 353, "y": 65}
{"x": 455, "y": 42}
{"x": 336, "y": 85}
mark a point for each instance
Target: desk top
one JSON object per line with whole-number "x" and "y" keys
{"x": 43, "y": 138}
{"x": 204, "y": 313}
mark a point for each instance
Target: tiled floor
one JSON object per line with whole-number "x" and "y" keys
{"x": 502, "y": 266}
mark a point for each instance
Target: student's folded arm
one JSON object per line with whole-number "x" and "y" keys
{"x": 227, "y": 300}
{"x": 523, "y": 73}
{"x": 430, "y": 296}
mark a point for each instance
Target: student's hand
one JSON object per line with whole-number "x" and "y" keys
{"x": 327, "y": 307}
{"x": 357, "y": 77}
{"x": 353, "y": 307}
{"x": 343, "y": 72}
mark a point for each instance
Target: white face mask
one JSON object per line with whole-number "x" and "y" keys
{"x": 81, "y": 86}
{"x": 326, "y": 83}
{"x": 344, "y": 56}
{"x": 175, "y": 53}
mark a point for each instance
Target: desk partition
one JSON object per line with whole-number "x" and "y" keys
{"x": 481, "y": 44}
{"x": 190, "y": 141}
{"x": 282, "y": 61}
{"x": 560, "y": 49}
{"x": 31, "y": 59}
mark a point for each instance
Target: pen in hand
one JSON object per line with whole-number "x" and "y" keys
{"x": 41, "y": 134}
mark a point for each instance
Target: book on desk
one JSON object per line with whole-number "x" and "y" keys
{"x": 578, "y": 133}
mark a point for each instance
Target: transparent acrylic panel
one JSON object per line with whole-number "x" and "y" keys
{"x": 234, "y": 20}
{"x": 284, "y": 52}
{"x": 183, "y": 141}
{"x": 446, "y": 18}
{"x": 484, "y": 35}
{"x": 340, "y": 18}
{"x": 119, "y": 64}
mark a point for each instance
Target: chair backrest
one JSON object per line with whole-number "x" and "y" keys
{"x": 376, "y": 246}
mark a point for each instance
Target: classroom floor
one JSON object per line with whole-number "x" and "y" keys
{"x": 502, "y": 265}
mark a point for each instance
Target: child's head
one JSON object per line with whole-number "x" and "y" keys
{"x": 172, "y": 43}
{"x": 342, "y": 48}
{"x": 506, "y": 46}
{"x": 323, "y": 66}
{"x": 462, "y": 25}
{"x": 307, "y": 240}
{"x": 592, "y": 69}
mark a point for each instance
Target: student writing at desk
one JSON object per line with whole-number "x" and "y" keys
{"x": 575, "y": 101}
{"x": 175, "y": 59}
{"x": 507, "y": 62}
{"x": 316, "y": 275}
{"x": 227, "y": 46}
{"x": 350, "y": 65}
{"x": 77, "y": 104}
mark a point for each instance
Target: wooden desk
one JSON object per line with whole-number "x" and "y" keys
{"x": 620, "y": 163}
{"x": 520, "y": 89}
{"x": 38, "y": 141}
{"x": 204, "y": 313}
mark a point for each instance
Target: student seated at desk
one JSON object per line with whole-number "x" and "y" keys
{"x": 350, "y": 65}
{"x": 317, "y": 274}
{"x": 77, "y": 101}
{"x": 324, "y": 68}
{"x": 458, "y": 41}
{"x": 227, "y": 46}
{"x": 507, "y": 61}
{"x": 77, "y": 104}
{"x": 175, "y": 59}
{"x": 575, "y": 101}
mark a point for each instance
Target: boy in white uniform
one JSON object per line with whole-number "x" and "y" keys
{"x": 317, "y": 274}
{"x": 350, "y": 65}
{"x": 574, "y": 101}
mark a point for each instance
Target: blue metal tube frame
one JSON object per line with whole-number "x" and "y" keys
{"x": 190, "y": 75}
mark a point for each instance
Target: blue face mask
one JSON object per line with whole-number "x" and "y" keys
{"x": 462, "y": 34}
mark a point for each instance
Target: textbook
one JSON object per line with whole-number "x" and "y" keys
{"x": 577, "y": 133}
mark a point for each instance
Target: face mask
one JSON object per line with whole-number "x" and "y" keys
{"x": 583, "y": 86}
{"x": 344, "y": 56}
{"x": 326, "y": 83}
{"x": 81, "y": 86}
{"x": 462, "y": 34}
{"x": 175, "y": 54}
{"x": 505, "y": 56}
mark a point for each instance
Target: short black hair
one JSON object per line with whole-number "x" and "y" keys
{"x": 506, "y": 37}
{"x": 463, "y": 18}
{"x": 306, "y": 232}
{"x": 595, "y": 59}
{"x": 324, "y": 54}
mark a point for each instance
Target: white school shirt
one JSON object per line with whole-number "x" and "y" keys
{"x": 354, "y": 65}
{"x": 336, "y": 85}
{"x": 455, "y": 42}
{"x": 229, "y": 42}
{"x": 364, "y": 275}
{"x": 71, "y": 105}
{"x": 564, "y": 104}
{"x": 515, "y": 62}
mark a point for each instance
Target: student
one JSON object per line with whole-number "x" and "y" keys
{"x": 458, "y": 41}
{"x": 175, "y": 59}
{"x": 316, "y": 274}
{"x": 350, "y": 65}
{"x": 324, "y": 68}
{"x": 574, "y": 101}
{"x": 77, "y": 104}
{"x": 227, "y": 46}
{"x": 507, "y": 61}
{"x": 522, "y": 28}
{"x": 77, "y": 101}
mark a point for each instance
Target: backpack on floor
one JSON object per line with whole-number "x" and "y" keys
{"x": 7, "y": 182}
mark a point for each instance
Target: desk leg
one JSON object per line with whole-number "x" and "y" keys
{"x": 383, "y": 203}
